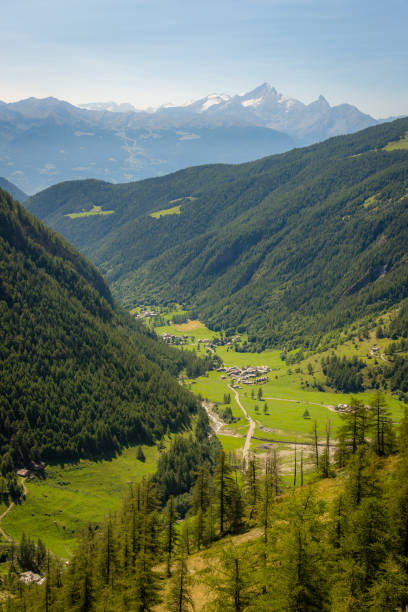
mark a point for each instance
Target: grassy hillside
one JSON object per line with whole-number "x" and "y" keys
{"x": 57, "y": 508}
{"x": 286, "y": 248}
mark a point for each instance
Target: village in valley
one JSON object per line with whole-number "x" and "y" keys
{"x": 250, "y": 375}
{"x": 256, "y": 400}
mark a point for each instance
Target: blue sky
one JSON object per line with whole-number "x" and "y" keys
{"x": 152, "y": 51}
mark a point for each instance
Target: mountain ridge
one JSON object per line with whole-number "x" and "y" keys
{"x": 43, "y": 142}
{"x": 247, "y": 250}
{"x": 263, "y": 106}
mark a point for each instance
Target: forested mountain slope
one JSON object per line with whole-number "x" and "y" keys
{"x": 75, "y": 378}
{"x": 287, "y": 248}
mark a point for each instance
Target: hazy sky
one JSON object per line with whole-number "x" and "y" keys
{"x": 148, "y": 52}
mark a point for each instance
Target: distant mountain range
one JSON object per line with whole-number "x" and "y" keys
{"x": 261, "y": 107}
{"x": 46, "y": 141}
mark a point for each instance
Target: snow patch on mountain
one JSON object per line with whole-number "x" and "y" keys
{"x": 253, "y": 102}
{"x": 214, "y": 99}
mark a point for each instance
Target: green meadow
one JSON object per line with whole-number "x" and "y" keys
{"x": 175, "y": 210}
{"x": 289, "y": 393}
{"x": 398, "y": 144}
{"x": 96, "y": 210}
{"x": 59, "y": 506}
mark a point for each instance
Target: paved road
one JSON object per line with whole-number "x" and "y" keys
{"x": 251, "y": 425}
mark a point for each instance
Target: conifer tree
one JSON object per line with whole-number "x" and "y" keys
{"x": 383, "y": 435}
{"x": 180, "y": 599}
{"x": 268, "y": 490}
{"x": 200, "y": 492}
{"x": 170, "y": 532}
{"x": 315, "y": 443}
{"x": 107, "y": 555}
{"x": 298, "y": 577}
{"x": 145, "y": 589}
{"x": 140, "y": 456}
{"x": 231, "y": 583}
{"x": 222, "y": 481}
{"x": 251, "y": 484}
{"x": 355, "y": 425}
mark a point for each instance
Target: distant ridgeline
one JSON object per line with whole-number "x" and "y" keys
{"x": 13, "y": 190}
{"x": 79, "y": 377}
{"x": 287, "y": 248}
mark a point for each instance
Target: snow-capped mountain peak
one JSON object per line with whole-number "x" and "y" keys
{"x": 264, "y": 107}
{"x": 213, "y": 100}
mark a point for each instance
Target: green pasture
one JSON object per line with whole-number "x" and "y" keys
{"x": 293, "y": 382}
{"x": 398, "y": 144}
{"x": 96, "y": 210}
{"x": 196, "y": 333}
{"x": 230, "y": 443}
{"x": 71, "y": 496}
{"x": 286, "y": 418}
{"x": 269, "y": 358}
{"x": 175, "y": 210}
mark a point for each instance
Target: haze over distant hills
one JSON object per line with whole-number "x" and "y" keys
{"x": 261, "y": 107}
{"x": 43, "y": 142}
{"x": 12, "y": 189}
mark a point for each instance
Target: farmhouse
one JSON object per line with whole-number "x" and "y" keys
{"x": 30, "y": 578}
{"x": 23, "y": 472}
{"x": 341, "y": 407}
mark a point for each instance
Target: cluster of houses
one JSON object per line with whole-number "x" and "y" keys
{"x": 147, "y": 314}
{"x": 172, "y": 339}
{"x": 251, "y": 375}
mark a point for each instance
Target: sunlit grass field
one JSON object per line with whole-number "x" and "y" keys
{"x": 71, "y": 497}
{"x": 175, "y": 210}
{"x": 96, "y": 210}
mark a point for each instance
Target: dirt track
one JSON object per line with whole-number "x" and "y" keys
{"x": 251, "y": 424}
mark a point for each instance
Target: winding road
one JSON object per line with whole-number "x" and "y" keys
{"x": 251, "y": 425}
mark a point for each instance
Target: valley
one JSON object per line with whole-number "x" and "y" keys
{"x": 290, "y": 401}
{"x": 263, "y": 352}
{"x": 204, "y": 306}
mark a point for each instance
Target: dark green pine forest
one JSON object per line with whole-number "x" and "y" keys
{"x": 79, "y": 377}
{"x": 286, "y": 248}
